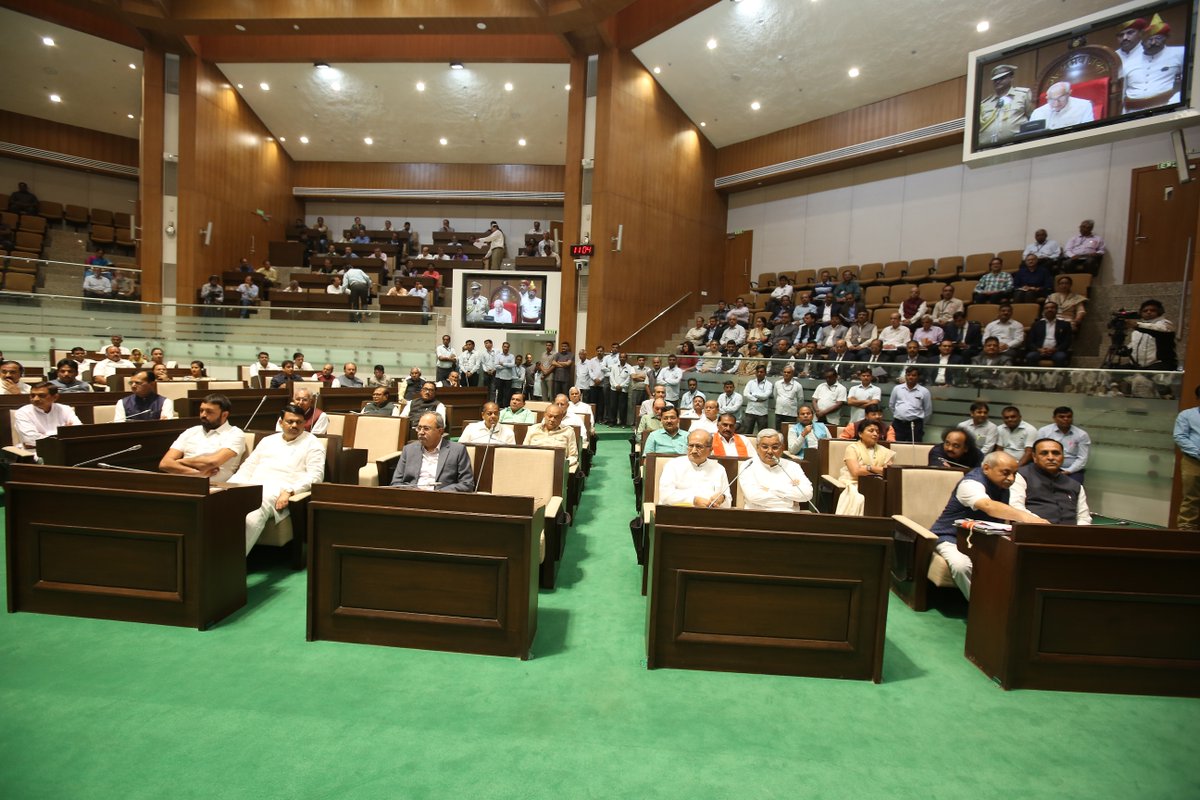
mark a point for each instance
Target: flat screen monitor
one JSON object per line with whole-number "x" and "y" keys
{"x": 503, "y": 301}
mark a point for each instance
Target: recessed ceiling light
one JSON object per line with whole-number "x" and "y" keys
{"x": 983, "y": 26}
{"x": 295, "y": 27}
{"x": 420, "y": 86}
{"x": 240, "y": 86}
{"x": 481, "y": 25}
{"x": 521, "y": 142}
{"x": 303, "y": 140}
{"x": 55, "y": 98}
{"x": 321, "y": 65}
{"x": 567, "y": 87}
{"x": 129, "y": 115}
{"x": 755, "y": 106}
{"x": 282, "y": 139}
{"x": 658, "y": 70}
{"x": 508, "y": 87}
{"x": 239, "y": 26}
{"x": 711, "y": 44}
{"x": 456, "y": 65}
{"x": 133, "y": 66}
{"x": 703, "y": 124}
{"x": 368, "y": 140}
{"x": 269, "y": 139}
{"x": 49, "y": 42}
{"x": 266, "y": 87}
{"x": 853, "y": 73}
{"x": 443, "y": 141}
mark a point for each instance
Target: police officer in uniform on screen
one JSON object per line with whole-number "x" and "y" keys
{"x": 1001, "y": 114}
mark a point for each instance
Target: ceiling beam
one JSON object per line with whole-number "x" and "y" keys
{"x": 529, "y": 48}
{"x": 641, "y": 21}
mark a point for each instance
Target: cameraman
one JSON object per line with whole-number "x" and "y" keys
{"x": 1152, "y": 338}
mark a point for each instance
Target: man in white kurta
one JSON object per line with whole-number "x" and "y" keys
{"x": 769, "y": 483}
{"x": 284, "y": 464}
{"x": 1061, "y": 110}
{"x": 696, "y": 480}
{"x": 43, "y": 416}
{"x": 488, "y": 430}
{"x": 708, "y": 418}
{"x": 789, "y": 394}
{"x": 213, "y": 448}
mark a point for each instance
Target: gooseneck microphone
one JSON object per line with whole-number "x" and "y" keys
{"x": 107, "y": 456}
{"x": 255, "y": 414}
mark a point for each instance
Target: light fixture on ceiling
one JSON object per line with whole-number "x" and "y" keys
{"x": 240, "y": 86}
{"x": 521, "y": 142}
{"x": 321, "y": 65}
{"x": 567, "y": 87}
{"x": 129, "y": 115}
{"x": 853, "y": 73}
{"x": 49, "y": 42}
{"x": 481, "y": 25}
{"x": 239, "y": 26}
{"x": 368, "y": 140}
{"x": 303, "y": 140}
{"x": 755, "y": 106}
{"x": 443, "y": 141}
{"x": 982, "y": 26}
{"x": 703, "y": 124}
{"x": 266, "y": 87}
{"x": 295, "y": 27}
{"x": 269, "y": 138}
{"x": 420, "y": 86}
{"x": 508, "y": 87}
{"x": 658, "y": 70}
{"x": 711, "y": 44}
{"x": 133, "y": 66}
{"x": 282, "y": 139}
{"x": 456, "y": 65}
{"x": 55, "y": 98}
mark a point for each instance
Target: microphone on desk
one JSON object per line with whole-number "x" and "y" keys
{"x": 106, "y": 465}
{"x": 253, "y": 415}
{"x": 138, "y": 414}
{"x": 483, "y": 458}
{"x": 728, "y": 484}
{"x": 108, "y": 456}
{"x": 948, "y": 463}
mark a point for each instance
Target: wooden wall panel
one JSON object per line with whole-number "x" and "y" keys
{"x": 60, "y": 138}
{"x": 654, "y": 175}
{"x": 227, "y": 170}
{"x": 641, "y": 21}
{"x": 150, "y": 179}
{"x": 573, "y": 199}
{"x": 484, "y": 177}
{"x": 904, "y": 112}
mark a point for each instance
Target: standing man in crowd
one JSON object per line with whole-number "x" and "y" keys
{"x": 911, "y": 406}
{"x": 446, "y": 358}
{"x": 1076, "y": 444}
{"x": 1187, "y": 439}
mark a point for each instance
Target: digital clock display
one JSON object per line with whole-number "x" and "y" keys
{"x": 583, "y": 250}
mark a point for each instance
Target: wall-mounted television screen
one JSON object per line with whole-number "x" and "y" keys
{"x": 1122, "y": 67}
{"x": 503, "y": 301}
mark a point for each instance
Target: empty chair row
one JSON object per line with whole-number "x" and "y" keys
{"x": 946, "y": 268}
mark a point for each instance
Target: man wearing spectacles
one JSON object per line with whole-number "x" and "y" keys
{"x": 433, "y": 462}
{"x": 696, "y": 480}
{"x": 145, "y": 403}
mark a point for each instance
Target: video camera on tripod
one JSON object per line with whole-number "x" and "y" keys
{"x": 1118, "y": 354}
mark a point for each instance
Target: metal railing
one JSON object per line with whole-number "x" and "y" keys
{"x": 654, "y": 319}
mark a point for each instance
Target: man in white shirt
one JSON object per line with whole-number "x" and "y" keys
{"x": 695, "y": 480}
{"x": 728, "y": 442}
{"x": 263, "y": 362}
{"x": 658, "y": 393}
{"x": 1154, "y": 79}
{"x": 476, "y": 305}
{"x": 734, "y": 332}
{"x": 984, "y": 431}
{"x": 43, "y": 416}
{"x": 530, "y": 305}
{"x": 863, "y": 394}
{"x": 487, "y": 430}
{"x": 494, "y": 242}
{"x": 111, "y": 363}
{"x": 284, "y": 464}
{"x": 1044, "y": 248}
{"x": 670, "y": 377}
{"x": 895, "y": 337}
{"x": 828, "y": 399}
{"x": 1015, "y": 436}
{"x": 488, "y": 368}
{"x": 770, "y": 483}
{"x": 576, "y": 412}
{"x": 1061, "y": 110}
{"x": 316, "y": 421}
{"x": 789, "y": 394}
{"x": 707, "y": 420}
{"x": 468, "y": 364}
{"x": 730, "y": 402}
{"x": 685, "y": 399}
{"x": 213, "y": 448}
{"x": 446, "y": 358}
{"x": 499, "y": 314}
{"x": 758, "y": 392}
{"x": 1008, "y": 332}
{"x": 946, "y": 307}
{"x": 10, "y": 378}
{"x": 616, "y": 405}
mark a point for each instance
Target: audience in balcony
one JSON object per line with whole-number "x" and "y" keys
{"x": 1083, "y": 252}
{"x": 1049, "y": 338}
{"x": 996, "y": 286}
{"x": 1032, "y": 282}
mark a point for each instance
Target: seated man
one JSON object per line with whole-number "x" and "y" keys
{"x": 983, "y": 430}
{"x": 113, "y": 360}
{"x": 1049, "y": 338}
{"x": 669, "y": 438}
{"x": 488, "y": 430}
{"x": 982, "y": 494}
{"x": 957, "y": 449}
{"x": 381, "y": 404}
{"x": 426, "y": 402}
{"x": 1008, "y": 332}
{"x": 805, "y": 432}
{"x": 707, "y": 421}
{"x": 315, "y": 420}
{"x": 145, "y": 403}
{"x": 66, "y": 379}
{"x": 433, "y": 462}
{"x": 262, "y": 362}
{"x": 325, "y": 376}
{"x": 43, "y": 416}
{"x": 349, "y": 378}
{"x": 939, "y": 374}
{"x": 658, "y": 393}
{"x": 694, "y": 411}
{"x": 1032, "y": 281}
{"x": 286, "y": 377}
{"x": 728, "y": 442}
{"x": 1083, "y": 252}
{"x": 284, "y": 464}
{"x": 213, "y": 448}
{"x": 697, "y": 480}
{"x": 651, "y": 421}
{"x": 685, "y": 400}
{"x": 1042, "y": 488}
{"x": 550, "y": 432}
{"x": 967, "y": 337}
{"x": 990, "y": 359}
{"x": 895, "y": 337}
{"x": 996, "y": 286}
{"x": 516, "y": 411}
{"x": 770, "y": 483}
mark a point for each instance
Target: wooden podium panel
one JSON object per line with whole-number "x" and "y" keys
{"x": 310, "y": 306}
{"x": 247, "y": 405}
{"x": 409, "y": 304}
{"x": 78, "y": 443}
{"x": 429, "y": 570}
{"x": 768, "y": 592}
{"x": 113, "y": 545}
{"x": 1087, "y": 609}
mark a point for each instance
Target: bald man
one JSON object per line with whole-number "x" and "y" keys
{"x": 695, "y": 480}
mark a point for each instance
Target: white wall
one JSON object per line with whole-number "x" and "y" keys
{"x": 68, "y": 186}
{"x": 930, "y": 205}
{"x": 426, "y": 219}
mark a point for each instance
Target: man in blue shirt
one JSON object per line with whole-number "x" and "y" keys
{"x": 668, "y": 438}
{"x": 1187, "y": 437}
{"x": 911, "y": 406}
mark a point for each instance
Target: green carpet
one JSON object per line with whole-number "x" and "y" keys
{"x": 94, "y": 709}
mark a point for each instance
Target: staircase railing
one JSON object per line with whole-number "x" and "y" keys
{"x": 654, "y": 319}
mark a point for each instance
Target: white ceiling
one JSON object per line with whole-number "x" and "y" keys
{"x": 793, "y": 56}
{"x": 91, "y": 75}
{"x": 337, "y": 108}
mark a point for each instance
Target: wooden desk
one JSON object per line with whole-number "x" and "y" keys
{"x": 82, "y": 402}
{"x": 312, "y": 306}
{"x": 245, "y": 403}
{"x": 410, "y": 304}
{"x": 540, "y": 263}
{"x": 431, "y": 570}
{"x": 371, "y": 266}
{"x": 462, "y": 406}
{"x": 159, "y": 549}
{"x": 465, "y": 238}
{"x": 343, "y": 399}
{"x": 286, "y": 254}
{"x": 767, "y": 592}
{"x": 1087, "y": 609}
{"x": 79, "y": 443}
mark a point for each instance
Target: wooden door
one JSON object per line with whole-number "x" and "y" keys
{"x": 738, "y": 249}
{"x": 1162, "y": 225}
